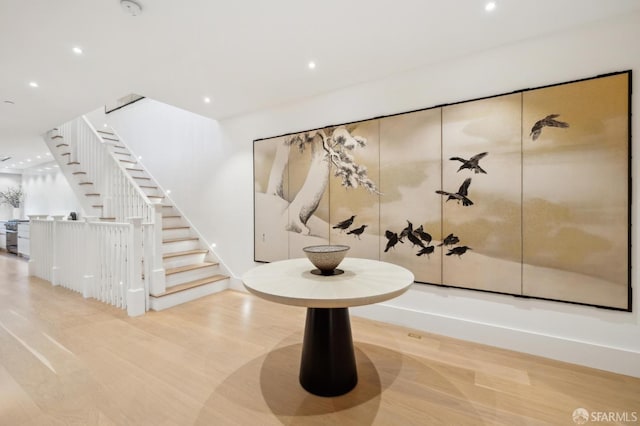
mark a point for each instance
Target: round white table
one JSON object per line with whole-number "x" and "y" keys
{"x": 328, "y": 366}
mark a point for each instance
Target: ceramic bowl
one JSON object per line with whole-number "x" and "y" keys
{"x": 326, "y": 257}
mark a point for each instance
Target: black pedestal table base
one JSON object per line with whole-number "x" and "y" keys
{"x": 328, "y": 365}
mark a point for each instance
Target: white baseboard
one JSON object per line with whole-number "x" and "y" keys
{"x": 606, "y": 358}
{"x": 236, "y": 284}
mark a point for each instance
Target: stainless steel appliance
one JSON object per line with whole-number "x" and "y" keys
{"x": 12, "y": 235}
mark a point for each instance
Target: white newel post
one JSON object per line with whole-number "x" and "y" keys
{"x": 158, "y": 280}
{"x": 55, "y": 267}
{"x": 135, "y": 293}
{"x": 87, "y": 256}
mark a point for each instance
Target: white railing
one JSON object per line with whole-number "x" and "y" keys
{"x": 100, "y": 260}
{"x": 119, "y": 194}
{"x": 42, "y": 233}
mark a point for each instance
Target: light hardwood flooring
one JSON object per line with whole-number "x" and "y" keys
{"x": 232, "y": 359}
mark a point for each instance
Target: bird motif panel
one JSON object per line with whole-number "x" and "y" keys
{"x": 526, "y": 194}
{"x": 271, "y": 195}
{"x": 354, "y": 209}
{"x": 575, "y": 192}
{"x": 481, "y": 181}
{"x": 410, "y": 210}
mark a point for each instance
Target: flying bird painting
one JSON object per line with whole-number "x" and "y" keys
{"x": 458, "y": 251}
{"x": 344, "y": 224}
{"x": 357, "y": 231}
{"x": 406, "y": 231}
{"x": 461, "y": 195}
{"x": 548, "y": 121}
{"x": 424, "y": 236}
{"x": 426, "y": 250}
{"x": 472, "y": 163}
{"x": 392, "y": 238}
{"x": 450, "y": 240}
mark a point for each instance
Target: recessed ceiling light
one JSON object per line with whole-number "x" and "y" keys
{"x": 311, "y": 65}
{"x": 207, "y": 100}
{"x": 490, "y": 6}
{"x": 105, "y": 125}
{"x": 21, "y": 162}
{"x": 48, "y": 153}
{"x": 47, "y": 168}
{"x": 33, "y": 84}
{"x": 131, "y": 7}
{"x": 28, "y": 160}
{"x": 38, "y": 157}
{"x": 39, "y": 170}
{"x": 168, "y": 191}
{"x": 56, "y": 166}
{"x": 77, "y": 50}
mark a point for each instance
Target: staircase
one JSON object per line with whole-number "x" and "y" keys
{"x": 118, "y": 186}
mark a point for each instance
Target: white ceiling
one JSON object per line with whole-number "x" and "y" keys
{"x": 244, "y": 55}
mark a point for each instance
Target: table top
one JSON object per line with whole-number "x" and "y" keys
{"x": 364, "y": 282}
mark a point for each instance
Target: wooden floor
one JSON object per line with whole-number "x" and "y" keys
{"x": 232, "y": 359}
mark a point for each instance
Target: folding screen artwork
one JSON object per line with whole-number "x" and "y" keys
{"x": 526, "y": 194}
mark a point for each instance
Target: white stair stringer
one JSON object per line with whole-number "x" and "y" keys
{"x": 191, "y": 269}
{"x": 73, "y": 173}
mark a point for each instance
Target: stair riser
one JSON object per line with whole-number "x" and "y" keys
{"x": 150, "y": 191}
{"x": 171, "y": 222}
{"x": 168, "y": 234}
{"x": 180, "y": 246}
{"x": 169, "y": 211}
{"x": 174, "y": 262}
{"x": 165, "y": 302}
{"x": 135, "y": 173}
{"x": 196, "y": 274}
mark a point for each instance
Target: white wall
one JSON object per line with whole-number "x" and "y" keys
{"x": 8, "y": 180}
{"x": 47, "y": 192}
{"x": 209, "y": 169}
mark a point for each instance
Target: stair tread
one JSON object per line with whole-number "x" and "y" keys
{"x": 120, "y": 146}
{"x": 174, "y": 227}
{"x": 66, "y": 153}
{"x": 133, "y": 169}
{"x": 191, "y": 284}
{"x": 183, "y": 253}
{"x": 171, "y": 217}
{"x": 105, "y": 132}
{"x": 57, "y": 137}
{"x": 111, "y": 139}
{"x": 62, "y": 144}
{"x": 142, "y": 177}
{"x": 155, "y": 196}
{"x": 128, "y": 161}
{"x": 97, "y": 205}
{"x": 107, "y": 218}
{"x": 85, "y": 183}
{"x": 177, "y": 240}
{"x": 92, "y": 194}
{"x": 187, "y": 268}
{"x": 72, "y": 163}
{"x": 122, "y": 153}
{"x": 79, "y": 173}
{"x": 148, "y": 186}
